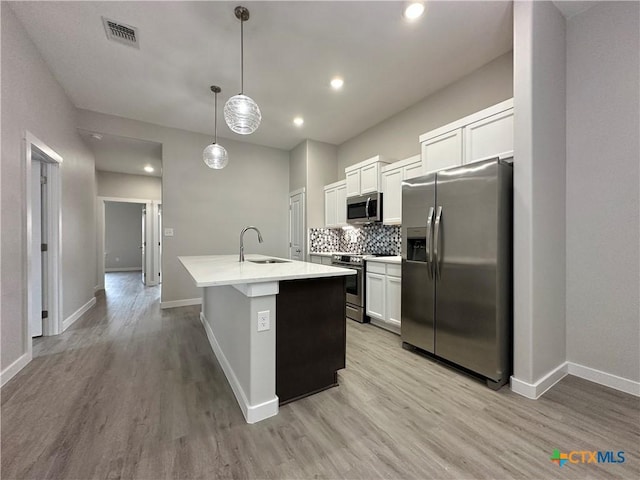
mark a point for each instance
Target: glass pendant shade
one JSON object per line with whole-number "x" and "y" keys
{"x": 215, "y": 156}
{"x": 242, "y": 114}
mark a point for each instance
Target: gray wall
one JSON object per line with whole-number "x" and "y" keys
{"x": 539, "y": 190}
{"x": 123, "y": 235}
{"x": 208, "y": 208}
{"x": 33, "y": 100}
{"x": 397, "y": 137}
{"x": 298, "y": 167}
{"x": 122, "y": 185}
{"x": 321, "y": 170}
{"x": 603, "y": 324}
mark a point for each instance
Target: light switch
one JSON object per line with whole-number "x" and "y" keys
{"x": 263, "y": 321}
{"x": 168, "y": 232}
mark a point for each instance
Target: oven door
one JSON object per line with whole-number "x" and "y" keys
{"x": 355, "y": 287}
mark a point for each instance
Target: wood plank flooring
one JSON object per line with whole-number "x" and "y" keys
{"x": 131, "y": 391}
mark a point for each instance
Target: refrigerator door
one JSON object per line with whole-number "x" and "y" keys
{"x": 467, "y": 235}
{"x": 418, "y": 284}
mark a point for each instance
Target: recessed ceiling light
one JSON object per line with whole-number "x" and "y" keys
{"x": 336, "y": 83}
{"x": 148, "y": 168}
{"x": 96, "y": 136}
{"x": 298, "y": 121}
{"x": 413, "y": 10}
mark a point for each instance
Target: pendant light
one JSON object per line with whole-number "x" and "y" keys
{"x": 214, "y": 155}
{"x": 240, "y": 112}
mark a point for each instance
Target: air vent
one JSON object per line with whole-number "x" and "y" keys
{"x": 121, "y": 33}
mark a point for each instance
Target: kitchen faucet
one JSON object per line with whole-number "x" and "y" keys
{"x": 242, "y": 240}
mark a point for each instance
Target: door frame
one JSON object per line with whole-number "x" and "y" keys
{"x": 152, "y": 263}
{"x": 304, "y": 222}
{"x": 52, "y": 325}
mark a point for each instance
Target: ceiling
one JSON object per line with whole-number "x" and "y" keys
{"x": 292, "y": 50}
{"x": 574, "y": 7}
{"x": 124, "y": 155}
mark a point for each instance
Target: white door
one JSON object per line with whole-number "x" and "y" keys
{"x": 443, "y": 151}
{"x": 341, "y": 205}
{"x": 159, "y": 241}
{"x": 489, "y": 137}
{"x": 36, "y": 250}
{"x": 394, "y": 288}
{"x": 296, "y": 226}
{"x": 392, "y": 189}
{"x": 143, "y": 244}
{"x": 369, "y": 178}
{"x": 375, "y": 295}
{"x": 330, "y": 201}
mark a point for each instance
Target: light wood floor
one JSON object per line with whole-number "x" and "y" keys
{"x": 131, "y": 391}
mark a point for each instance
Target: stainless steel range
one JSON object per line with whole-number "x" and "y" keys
{"x": 356, "y": 300}
{"x": 355, "y": 285}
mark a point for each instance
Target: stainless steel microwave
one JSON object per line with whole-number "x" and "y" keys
{"x": 364, "y": 209}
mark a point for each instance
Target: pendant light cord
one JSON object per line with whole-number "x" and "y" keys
{"x": 241, "y": 56}
{"x": 215, "y": 120}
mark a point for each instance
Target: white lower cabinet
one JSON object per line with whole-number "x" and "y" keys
{"x": 322, "y": 259}
{"x": 383, "y": 295}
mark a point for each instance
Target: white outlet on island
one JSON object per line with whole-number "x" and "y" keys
{"x": 263, "y": 321}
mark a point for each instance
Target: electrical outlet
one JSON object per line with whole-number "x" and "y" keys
{"x": 263, "y": 321}
{"x": 168, "y": 232}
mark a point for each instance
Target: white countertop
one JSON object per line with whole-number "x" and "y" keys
{"x": 212, "y": 270}
{"x": 394, "y": 259}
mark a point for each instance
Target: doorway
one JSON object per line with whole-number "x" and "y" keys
{"x": 297, "y": 233}
{"x": 132, "y": 242}
{"x": 42, "y": 225}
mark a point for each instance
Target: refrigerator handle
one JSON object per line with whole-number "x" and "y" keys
{"x": 429, "y": 240}
{"x": 436, "y": 242}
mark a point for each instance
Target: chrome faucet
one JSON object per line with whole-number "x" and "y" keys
{"x": 242, "y": 240}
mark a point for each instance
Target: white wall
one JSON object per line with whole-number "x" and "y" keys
{"x": 322, "y": 169}
{"x": 33, "y": 100}
{"x": 539, "y": 190}
{"x": 208, "y": 208}
{"x": 603, "y": 277}
{"x": 397, "y": 136}
{"x": 122, "y": 185}
{"x": 123, "y": 235}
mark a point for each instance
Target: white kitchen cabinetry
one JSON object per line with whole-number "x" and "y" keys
{"x": 320, "y": 259}
{"x": 383, "y": 294}
{"x": 489, "y": 137}
{"x": 364, "y": 177}
{"x": 484, "y": 134}
{"x": 335, "y": 204}
{"x": 392, "y": 177}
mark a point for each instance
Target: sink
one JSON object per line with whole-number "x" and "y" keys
{"x": 269, "y": 260}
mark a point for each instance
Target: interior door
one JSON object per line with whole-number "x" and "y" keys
{"x": 143, "y": 244}
{"x": 296, "y": 226}
{"x": 35, "y": 320}
{"x": 467, "y": 269}
{"x": 159, "y": 237}
{"x": 418, "y": 285}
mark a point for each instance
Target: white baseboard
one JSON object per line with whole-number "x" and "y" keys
{"x": 123, "y": 269}
{"x": 604, "y": 378}
{"x": 11, "y": 371}
{"x": 181, "y": 303}
{"x": 252, "y": 413}
{"x": 70, "y": 320}
{"x": 97, "y": 288}
{"x": 536, "y": 390}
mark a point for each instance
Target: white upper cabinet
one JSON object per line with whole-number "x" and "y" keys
{"x": 364, "y": 177}
{"x": 443, "y": 151}
{"x": 484, "y": 134}
{"x": 392, "y": 177}
{"x": 489, "y": 137}
{"x": 335, "y": 204}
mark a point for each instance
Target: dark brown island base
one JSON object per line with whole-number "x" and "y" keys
{"x": 310, "y": 336}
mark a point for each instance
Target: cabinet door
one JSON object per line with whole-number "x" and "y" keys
{"x": 369, "y": 178}
{"x": 393, "y": 296}
{"x": 443, "y": 151}
{"x": 353, "y": 183}
{"x": 375, "y": 295}
{"x": 489, "y": 137}
{"x": 412, "y": 171}
{"x": 315, "y": 258}
{"x": 341, "y": 205}
{"x": 330, "y": 208}
{"x": 392, "y": 199}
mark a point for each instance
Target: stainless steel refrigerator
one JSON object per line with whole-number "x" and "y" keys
{"x": 457, "y": 267}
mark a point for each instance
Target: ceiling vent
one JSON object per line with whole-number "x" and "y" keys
{"x": 121, "y": 33}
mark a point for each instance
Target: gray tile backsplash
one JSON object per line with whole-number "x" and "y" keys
{"x": 372, "y": 238}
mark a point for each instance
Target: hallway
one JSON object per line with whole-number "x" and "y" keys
{"x": 130, "y": 391}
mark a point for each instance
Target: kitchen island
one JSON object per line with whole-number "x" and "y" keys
{"x": 277, "y": 329}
